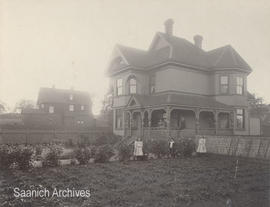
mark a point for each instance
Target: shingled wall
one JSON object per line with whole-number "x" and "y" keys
{"x": 244, "y": 146}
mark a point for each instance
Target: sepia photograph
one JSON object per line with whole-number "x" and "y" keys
{"x": 142, "y": 103}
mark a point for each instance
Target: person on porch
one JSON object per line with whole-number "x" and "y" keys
{"x": 138, "y": 149}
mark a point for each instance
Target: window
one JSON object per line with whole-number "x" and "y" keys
{"x": 71, "y": 107}
{"x": 82, "y": 107}
{"x": 132, "y": 86}
{"x": 224, "y": 84}
{"x": 42, "y": 106}
{"x": 239, "y": 85}
{"x": 80, "y": 122}
{"x": 119, "y": 87}
{"x": 152, "y": 84}
{"x": 118, "y": 119}
{"x": 51, "y": 109}
{"x": 71, "y": 97}
{"x": 240, "y": 118}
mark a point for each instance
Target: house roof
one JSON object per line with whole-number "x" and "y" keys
{"x": 182, "y": 51}
{"x": 53, "y": 95}
{"x": 180, "y": 100}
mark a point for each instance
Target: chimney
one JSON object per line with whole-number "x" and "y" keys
{"x": 198, "y": 41}
{"x": 169, "y": 27}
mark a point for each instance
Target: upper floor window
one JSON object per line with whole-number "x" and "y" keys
{"x": 240, "y": 118}
{"x": 224, "y": 84}
{"x": 51, "y": 109}
{"x": 82, "y": 108}
{"x": 71, "y": 107}
{"x": 152, "y": 84}
{"x": 71, "y": 97}
{"x": 239, "y": 85}
{"x": 119, "y": 87}
{"x": 132, "y": 86}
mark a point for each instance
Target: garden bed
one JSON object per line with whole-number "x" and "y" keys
{"x": 196, "y": 181}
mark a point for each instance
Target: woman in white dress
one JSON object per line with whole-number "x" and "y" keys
{"x": 138, "y": 149}
{"x": 201, "y": 147}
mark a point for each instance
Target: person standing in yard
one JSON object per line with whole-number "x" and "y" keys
{"x": 201, "y": 147}
{"x": 172, "y": 148}
{"x": 138, "y": 149}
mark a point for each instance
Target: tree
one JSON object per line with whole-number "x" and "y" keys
{"x": 24, "y": 104}
{"x": 3, "y": 107}
{"x": 258, "y": 107}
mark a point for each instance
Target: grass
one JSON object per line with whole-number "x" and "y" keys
{"x": 197, "y": 182}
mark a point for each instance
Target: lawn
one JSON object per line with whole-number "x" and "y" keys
{"x": 196, "y": 181}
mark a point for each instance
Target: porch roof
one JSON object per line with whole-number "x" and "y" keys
{"x": 178, "y": 99}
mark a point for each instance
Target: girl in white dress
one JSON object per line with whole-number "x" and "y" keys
{"x": 138, "y": 149}
{"x": 201, "y": 147}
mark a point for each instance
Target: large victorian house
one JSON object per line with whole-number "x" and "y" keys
{"x": 175, "y": 88}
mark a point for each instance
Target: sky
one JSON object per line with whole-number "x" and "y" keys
{"x": 68, "y": 43}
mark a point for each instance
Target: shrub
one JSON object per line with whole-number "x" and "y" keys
{"x": 6, "y": 157}
{"x": 83, "y": 155}
{"x": 125, "y": 152}
{"x": 38, "y": 150}
{"x": 19, "y": 156}
{"x": 103, "y": 154}
{"x": 52, "y": 157}
{"x": 23, "y": 157}
{"x": 159, "y": 148}
{"x": 103, "y": 140}
{"x": 185, "y": 147}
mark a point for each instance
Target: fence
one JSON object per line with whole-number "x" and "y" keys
{"x": 47, "y": 136}
{"x": 244, "y": 146}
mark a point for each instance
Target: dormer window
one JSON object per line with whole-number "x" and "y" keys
{"x": 224, "y": 84}
{"x": 71, "y": 107}
{"x": 71, "y": 97}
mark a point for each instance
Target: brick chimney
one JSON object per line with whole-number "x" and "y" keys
{"x": 198, "y": 41}
{"x": 169, "y": 27}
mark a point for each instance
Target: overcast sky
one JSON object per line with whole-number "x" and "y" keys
{"x": 68, "y": 43}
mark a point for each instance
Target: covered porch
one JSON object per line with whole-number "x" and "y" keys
{"x": 160, "y": 120}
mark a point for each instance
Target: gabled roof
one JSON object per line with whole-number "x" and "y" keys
{"x": 179, "y": 100}
{"x": 53, "y": 95}
{"x": 182, "y": 51}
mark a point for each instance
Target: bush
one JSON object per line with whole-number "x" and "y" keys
{"x": 23, "y": 157}
{"x": 158, "y": 148}
{"x": 125, "y": 152}
{"x": 83, "y": 155}
{"x": 103, "y": 154}
{"x": 52, "y": 157}
{"x": 18, "y": 156}
{"x": 185, "y": 147}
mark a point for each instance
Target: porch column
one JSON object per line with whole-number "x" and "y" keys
{"x": 197, "y": 120}
{"x": 168, "y": 120}
{"x": 130, "y": 123}
{"x": 232, "y": 126}
{"x": 142, "y": 127}
{"x": 149, "y": 122}
{"x": 216, "y": 121}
